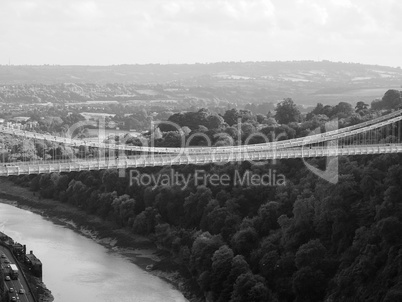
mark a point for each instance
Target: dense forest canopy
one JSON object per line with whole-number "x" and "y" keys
{"x": 305, "y": 240}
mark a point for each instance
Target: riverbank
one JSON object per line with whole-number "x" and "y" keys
{"x": 140, "y": 250}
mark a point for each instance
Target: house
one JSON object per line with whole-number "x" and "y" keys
{"x": 20, "y": 119}
{"x": 111, "y": 124}
{"x": 34, "y": 264}
{"x": 19, "y": 250}
{"x": 96, "y": 115}
{"x": 31, "y": 125}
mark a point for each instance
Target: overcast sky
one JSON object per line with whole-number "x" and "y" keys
{"x": 104, "y": 32}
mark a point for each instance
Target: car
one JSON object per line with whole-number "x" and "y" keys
{"x": 7, "y": 278}
{"x": 21, "y": 291}
{"x": 13, "y": 299}
{"x": 11, "y": 290}
{"x": 7, "y": 261}
{"x": 3, "y": 256}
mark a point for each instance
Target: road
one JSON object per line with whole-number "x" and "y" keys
{"x": 16, "y": 284}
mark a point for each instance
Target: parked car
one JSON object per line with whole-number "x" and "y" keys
{"x": 21, "y": 291}
{"x": 11, "y": 290}
{"x": 7, "y": 278}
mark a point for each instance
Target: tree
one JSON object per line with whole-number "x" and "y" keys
{"x": 392, "y": 99}
{"x": 268, "y": 214}
{"x": 268, "y": 266}
{"x": 250, "y": 287}
{"x": 223, "y": 139}
{"x": 287, "y": 112}
{"x": 259, "y": 293}
{"x": 270, "y": 122}
{"x": 233, "y": 132}
{"x": 231, "y": 116}
{"x": 203, "y": 249}
{"x": 145, "y": 222}
{"x": 361, "y": 106}
{"x": 343, "y": 110}
{"x": 214, "y": 121}
{"x": 123, "y": 209}
{"x": 73, "y": 118}
{"x": 112, "y": 181}
{"x": 24, "y": 150}
{"x": 170, "y": 139}
{"x": 195, "y": 204}
{"x": 193, "y": 120}
{"x": 391, "y": 230}
{"x": 260, "y": 118}
{"x": 247, "y": 130}
{"x": 310, "y": 254}
{"x": 394, "y": 295}
{"x": 309, "y": 285}
{"x": 164, "y": 235}
{"x": 244, "y": 241}
{"x": 221, "y": 266}
{"x": 104, "y": 203}
{"x": 319, "y": 109}
{"x": 239, "y": 266}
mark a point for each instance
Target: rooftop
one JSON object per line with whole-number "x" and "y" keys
{"x": 33, "y": 259}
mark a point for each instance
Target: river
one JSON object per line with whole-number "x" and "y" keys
{"x": 76, "y": 268}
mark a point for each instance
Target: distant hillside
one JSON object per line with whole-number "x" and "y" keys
{"x": 295, "y": 72}
{"x": 305, "y": 81}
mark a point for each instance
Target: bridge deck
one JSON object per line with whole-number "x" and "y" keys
{"x": 150, "y": 160}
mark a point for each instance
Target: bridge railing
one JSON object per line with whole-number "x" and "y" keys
{"x": 171, "y": 160}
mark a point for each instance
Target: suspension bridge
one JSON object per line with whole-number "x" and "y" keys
{"x": 377, "y": 136}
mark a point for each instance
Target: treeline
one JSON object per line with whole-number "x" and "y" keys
{"x": 304, "y": 240}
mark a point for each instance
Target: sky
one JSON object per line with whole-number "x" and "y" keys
{"x": 104, "y": 32}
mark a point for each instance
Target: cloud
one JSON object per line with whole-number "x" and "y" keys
{"x": 137, "y": 31}
{"x": 220, "y": 15}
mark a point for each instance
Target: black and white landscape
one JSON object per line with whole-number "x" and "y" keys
{"x": 187, "y": 150}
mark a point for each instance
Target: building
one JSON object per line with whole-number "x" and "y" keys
{"x": 96, "y": 115}
{"x": 19, "y": 250}
{"x": 20, "y": 119}
{"x": 111, "y": 124}
{"x": 34, "y": 264}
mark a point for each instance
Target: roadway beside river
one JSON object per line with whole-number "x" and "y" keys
{"x": 16, "y": 285}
